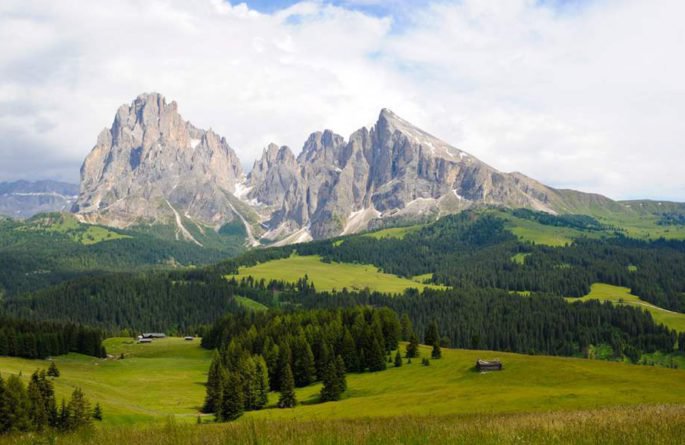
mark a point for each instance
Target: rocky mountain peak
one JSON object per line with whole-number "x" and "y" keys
{"x": 152, "y": 166}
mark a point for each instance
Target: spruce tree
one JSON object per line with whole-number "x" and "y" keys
{"x": 340, "y": 370}
{"x": 437, "y": 352}
{"x": 248, "y": 374}
{"x": 53, "y": 371}
{"x": 63, "y": 418}
{"x": 304, "y": 369}
{"x": 432, "y": 334}
{"x": 287, "y": 398}
{"x": 331, "y": 389}
{"x": 413, "y": 346}
{"x": 214, "y": 384}
{"x": 4, "y": 408}
{"x": 406, "y": 327}
{"x": 398, "y": 359}
{"x": 349, "y": 352}
{"x": 18, "y": 404}
{"x": 376, "y": 358}
{"x": 79, "y": 410}
{"x": 37, "y": 411}
{"x": 233, "y": 402}
{"x": 97, "y": 412}
{"x": 262, "y": 384}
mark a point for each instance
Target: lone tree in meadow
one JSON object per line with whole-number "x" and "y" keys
{"x": 287, "y": 398}
{"x": 53, "y": 371}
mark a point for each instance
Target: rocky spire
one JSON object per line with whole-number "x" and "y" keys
{"x": 152, "y": 166}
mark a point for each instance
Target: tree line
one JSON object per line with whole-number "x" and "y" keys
{"x": 497, "y": 320}
{"x": 41, "y": 339}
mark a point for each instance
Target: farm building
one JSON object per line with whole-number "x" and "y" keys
{"x": 488, "y": 365}
{"x": 188, "y": 338}
{"x": 153, "y": 335}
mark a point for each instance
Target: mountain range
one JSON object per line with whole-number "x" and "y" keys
{"x": 23, "y": 199}
{"x": 152, "y": 167}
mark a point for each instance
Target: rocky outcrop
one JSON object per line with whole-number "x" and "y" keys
{"x": 393, "y": 170}
{"x": 153, "y": 167}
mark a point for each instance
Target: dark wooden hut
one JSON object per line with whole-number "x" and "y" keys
{"x": 488, "y": 365}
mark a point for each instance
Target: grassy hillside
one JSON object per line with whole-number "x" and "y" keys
{"x": 166, "y": 378}
{"x": 622, "y": 295}
{"x": 250, "y": 304}
{"x": 329, "y": 276}
{"x": 66, "y": 223}
{"x": 50, "y": 248}
{"x": 152, "y": 382}
{"x": 394, "y": 232}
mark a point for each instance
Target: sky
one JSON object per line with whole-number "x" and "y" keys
{"x": 582, "y": 94}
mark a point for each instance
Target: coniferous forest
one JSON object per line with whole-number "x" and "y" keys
{"x": 258, "y": 353}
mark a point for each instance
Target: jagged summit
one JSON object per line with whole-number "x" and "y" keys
{"x": 153, "y": 167}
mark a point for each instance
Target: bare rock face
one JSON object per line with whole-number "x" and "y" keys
{"x": 151, "y": 167}
{"x": 393, "y": 170}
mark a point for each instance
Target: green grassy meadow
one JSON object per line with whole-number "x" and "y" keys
{"x": 329, "y": 276}
{"x": 393, "y": 232}
{"x": 622, "y": 295}
{"x": 166, "y": 378}
{"x": 152, "y": 382}
{"x": 67, "y": 224}
{"x": 250, "y": 304}
{"x": 519, "y": 258}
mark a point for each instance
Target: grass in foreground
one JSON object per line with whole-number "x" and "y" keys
{"x": 329, "y": 276}
{"x": 622, "y": 295}
{"x": 655, "y": 425}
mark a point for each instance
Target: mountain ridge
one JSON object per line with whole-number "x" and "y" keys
{"x": 153, "y": 167}
{"x": 24, "y": 199}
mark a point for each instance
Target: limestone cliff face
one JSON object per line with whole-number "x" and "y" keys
{"x": 151, "y": 167}
{"x": 393, "y": 170}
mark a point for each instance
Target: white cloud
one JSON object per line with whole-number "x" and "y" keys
{"x": 589, "y": 98}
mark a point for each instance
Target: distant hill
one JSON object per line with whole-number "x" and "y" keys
{"x": 23, "y": 199}
{"x": 52, "y": 247}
